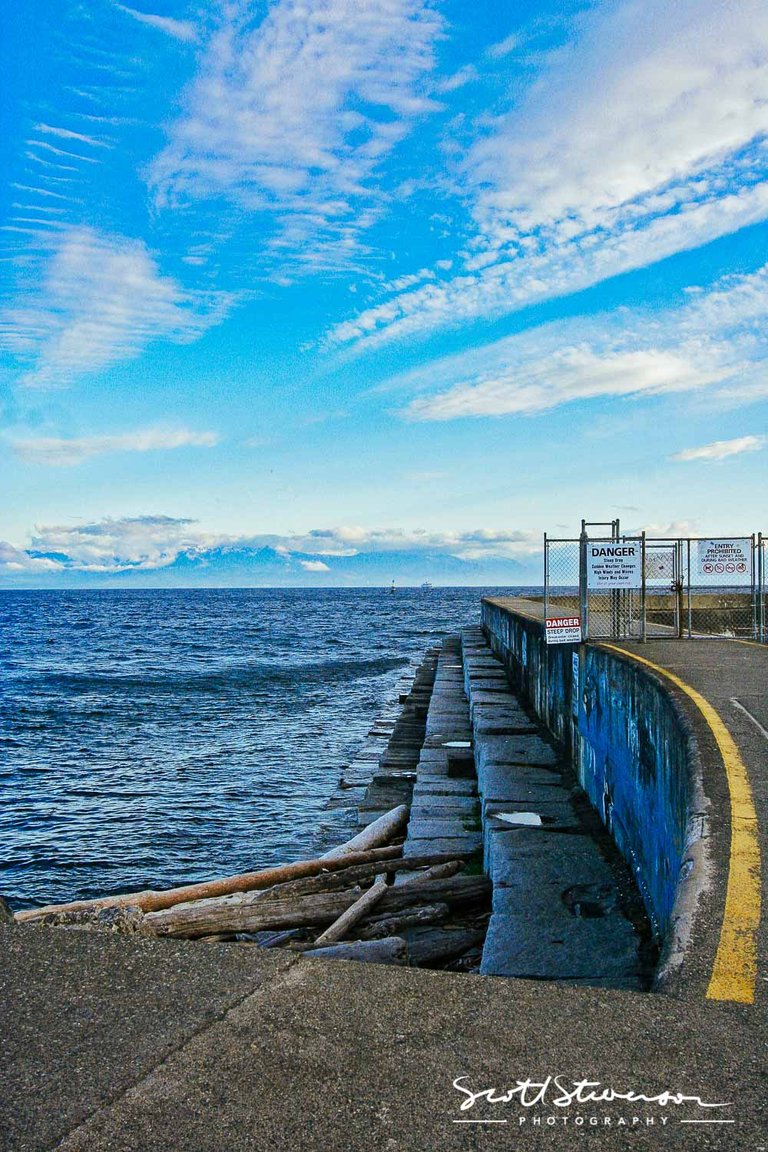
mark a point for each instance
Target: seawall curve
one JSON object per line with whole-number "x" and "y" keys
{"x": 635, "y": 755}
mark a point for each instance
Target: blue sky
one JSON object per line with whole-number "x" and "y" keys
{"x": 345, "y": 276}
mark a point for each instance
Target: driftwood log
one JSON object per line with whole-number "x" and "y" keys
{"x": 130, "y": 919}
{"x": 432, "y": 945}
{"x": 393, "y": 950}
{"x": 252, "y": 913}
{"x": 378, "y": 927}
{"x": 341, "y": 927}
{"x": 380, "y": 831}
{"x": 151, "y": 901}
{"x": 437, "y": 872}
{"x": 362, "y": 874}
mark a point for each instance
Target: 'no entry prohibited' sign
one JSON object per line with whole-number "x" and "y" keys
{"x": 726, "y": 559}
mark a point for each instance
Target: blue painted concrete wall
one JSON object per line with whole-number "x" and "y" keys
{"x": 629, "y": 744}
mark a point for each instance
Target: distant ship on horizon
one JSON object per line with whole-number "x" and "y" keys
{"x": 427, "y": 586}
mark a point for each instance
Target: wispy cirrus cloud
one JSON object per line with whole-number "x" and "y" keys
{"x": 294, "y": 114}
{"x": 98, "y": 299}
{"x": 179, "y": 29}
{"x": 569, "y": 374}
{"x": 67, "y": 452}
{"x": 68, "y": 134}
{"x": 647, "y": 137}
{"x": 721, "y": 449}
{"x": 716, "y": 340}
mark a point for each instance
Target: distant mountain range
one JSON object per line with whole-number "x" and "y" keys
{"x": 237, "y": 566}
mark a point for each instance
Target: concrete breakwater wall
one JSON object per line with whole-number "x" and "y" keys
{"x": 633, "y": 753}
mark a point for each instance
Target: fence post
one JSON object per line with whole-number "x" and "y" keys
{"x": 679, "y": 590}
{"x": 583, "y": 599}
{"x": 760, "y": 589}
{"x": 755, "y": 590}
{"x": 546, "y": 577}
{"x": 643, "y": 625}
{"x": 690, "y": 607}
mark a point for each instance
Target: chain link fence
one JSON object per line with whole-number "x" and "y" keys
{"x": 694, "y": 587}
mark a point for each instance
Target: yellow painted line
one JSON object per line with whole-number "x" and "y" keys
{"x": 734, "y": 972}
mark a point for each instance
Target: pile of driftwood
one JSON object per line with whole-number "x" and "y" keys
{"x": 362, "y": 901}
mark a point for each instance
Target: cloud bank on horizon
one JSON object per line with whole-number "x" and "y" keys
{"x": 152, "y": 544}
{"x": 412, "y": 262}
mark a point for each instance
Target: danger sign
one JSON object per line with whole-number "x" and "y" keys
{"x": 725, "y": 558}
{"x": 563, "y": 630}
{"x": 614, "y": 564}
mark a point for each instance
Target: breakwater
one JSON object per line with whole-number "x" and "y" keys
{"x": 633, "y": 752}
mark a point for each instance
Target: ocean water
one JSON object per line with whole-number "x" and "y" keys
{"x": 151, "y": 738}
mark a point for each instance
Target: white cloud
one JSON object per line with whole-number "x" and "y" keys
{"x": 99, "y": 299}
{"x": 646, "y": 137}
{"x": 114, "y": 545}
{"x": 294, "y": 115}
{"x": 544, "y": 271}
{"x": 178, "y": 29}
{"x": 650, "y": 99}
{"x": 504, "y": 47}
{"x": 66, "y": 134}
{"x": 346, "y": 540}
{"x": 314, "y": 566}
{"x": 576, "y": 373}
{"x": 60, "y": 451}
{"x": 717, "y": 340}
{"x": 14, "y": 561}
{"x": 720, "y": 449}
{"x": 466, "y": 75}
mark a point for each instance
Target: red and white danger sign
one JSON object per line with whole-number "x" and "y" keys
{"x": 563, "y": 630}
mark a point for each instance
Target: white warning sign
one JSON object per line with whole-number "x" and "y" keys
{"x": 614, "y": 565}
{"x": 726, "y": 559}
{"x": 563, "y": 630}
{"x": 659, "y": 563}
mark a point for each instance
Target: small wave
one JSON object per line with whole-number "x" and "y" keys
{"x": 254, "y": 675}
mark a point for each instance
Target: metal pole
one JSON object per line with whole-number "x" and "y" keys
{"x": 754, "y": 590}
{"x": 760, "y": 592}
{"x": 690, "y": 609}
{"x": 615, "y": 593}
{"x": 546, "y": 577}
{"x": 583, "y": 598}
{"x": 679, "y": 593}
{"x": 644, "y": 631}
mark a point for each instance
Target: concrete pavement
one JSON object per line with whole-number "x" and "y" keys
{"x": 154, "y": 1045}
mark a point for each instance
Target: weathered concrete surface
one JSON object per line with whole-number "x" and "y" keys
{"x": 633, "y": 753}
{"x": 553, "y": 945}
{"x": 151, "y": 1046}
{"x": 535, "y": 930}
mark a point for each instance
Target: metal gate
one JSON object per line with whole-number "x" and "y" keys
{"x": 687, "y": 588}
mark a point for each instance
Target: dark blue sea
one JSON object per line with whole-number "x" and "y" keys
{"x": 150, "y": 738}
